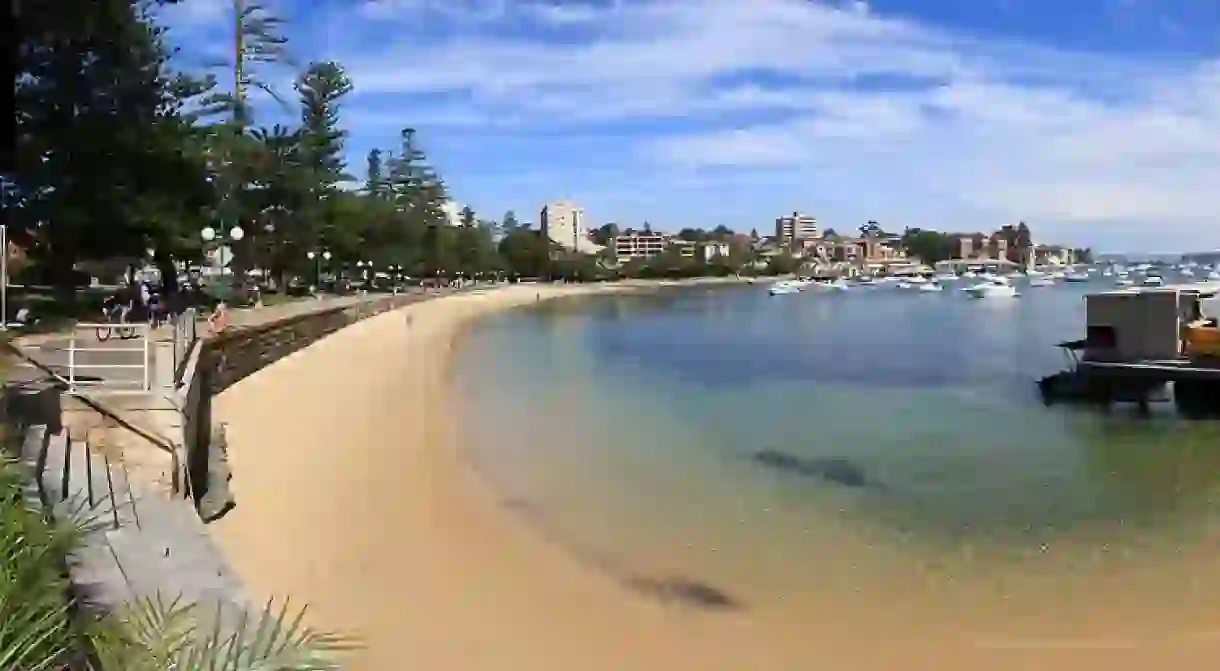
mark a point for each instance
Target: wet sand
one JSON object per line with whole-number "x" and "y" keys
{"x": 353, "y": 496}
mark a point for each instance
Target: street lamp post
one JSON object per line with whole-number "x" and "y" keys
{"x": 210, "y": 238}
{"x": 366, "y": 267}
{"x": 318, "y": 258}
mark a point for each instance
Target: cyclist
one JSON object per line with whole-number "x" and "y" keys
{"x": 118, "y": 306}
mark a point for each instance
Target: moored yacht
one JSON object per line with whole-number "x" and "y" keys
{"x": 784, "y": 288}
{"x": 996, "y": 287}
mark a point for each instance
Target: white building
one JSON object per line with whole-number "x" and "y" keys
{"x": 714, "y": 250}
{"x": 795, "y": 227}
{"x": 453, "y": 213}
{"x": 564, "y": 223}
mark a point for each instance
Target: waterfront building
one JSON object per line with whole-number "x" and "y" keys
{"x": 453, "y": 213}
{"x": 793, "y": 228}
{"x": 564, "y": 223}
{"x": 647, "y": 244}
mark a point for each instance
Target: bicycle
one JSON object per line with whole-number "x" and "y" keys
{"x": 108, "y": 317}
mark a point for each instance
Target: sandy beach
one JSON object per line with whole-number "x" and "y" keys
{"x": 353, "y": 497}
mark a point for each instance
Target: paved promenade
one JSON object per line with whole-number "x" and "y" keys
{"x": 145, "y": 543}
{"x": 116, "y": 363}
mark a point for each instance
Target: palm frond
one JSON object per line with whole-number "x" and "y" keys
{"x": 154, "y": 634}
{"x": 35, "y": 613}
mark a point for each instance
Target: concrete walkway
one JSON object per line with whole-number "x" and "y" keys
{"x": 142, "y": 542}
{"x": 121, "y": 365}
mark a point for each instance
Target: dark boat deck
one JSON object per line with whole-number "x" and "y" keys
{"x": 1167, "y": 370}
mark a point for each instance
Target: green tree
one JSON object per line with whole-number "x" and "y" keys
{"x": 321, "y": 89}
{"x": 509, "y": 223}
{"x": 282, "y": 192}
{"x": 605, "y": 234}
{"x": 928, "y": 246}
{"x": 783, "y": 264}
{"x": 103, "y": 162}
{"x": 258, "y": 40}
{"x": 526, "y": 252}
{"x": 375, "y": 177}
{"x": 467, "y": 217}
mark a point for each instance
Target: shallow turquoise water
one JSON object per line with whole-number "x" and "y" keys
{"x": 625, "y": 426}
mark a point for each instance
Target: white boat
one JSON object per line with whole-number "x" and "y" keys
{"x": 783, "y": 289}
{"x": 930, "y": 287}
{"x": 997, "y": 287}
{"x": 917, "y": 280}
{"x": 945, "y": 277}
{"x": 1033, "y": 272}
{"x": 1076, "y": 277}
{"x": 1042, "y": 282}
{"x": 1058, "y": 275}
{"x": 1153, "y": 281}
{"x": 903, "y": 284}
{"x": 1214, "y": 276}
{"x": 839, "y": 285}
{"x": 1124, "y": 282}
{"x": 1186, "y": 272}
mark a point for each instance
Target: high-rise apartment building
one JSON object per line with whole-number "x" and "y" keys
{"x": 792, "y": 228}
{"x": 564, "y": 223}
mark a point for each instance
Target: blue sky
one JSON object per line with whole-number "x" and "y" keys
{"x": 1095, "y": 121}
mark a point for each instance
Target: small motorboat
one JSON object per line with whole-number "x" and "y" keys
{"x": 1076, "y": 277}
{"x": 997, "y": 287}
{"x": 783, "y": 289}
{"x": 903, "y": 284}
{"x": 1153, "y": 281}
{"x": 1042, "y": 282}
{"x": 930, "y": 288}
{"x": 1124, "y": 282}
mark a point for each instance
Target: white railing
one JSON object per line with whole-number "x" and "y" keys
{"x": 83, "y": 349}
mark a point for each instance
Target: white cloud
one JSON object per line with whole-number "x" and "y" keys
{"x": 197, "y": 12}
{"x": 835, "y": 93}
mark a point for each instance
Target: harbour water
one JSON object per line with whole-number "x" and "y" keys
{"x": 627, "y": 428}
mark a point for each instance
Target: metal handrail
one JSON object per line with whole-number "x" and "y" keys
{"x": 97, "y": 407}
